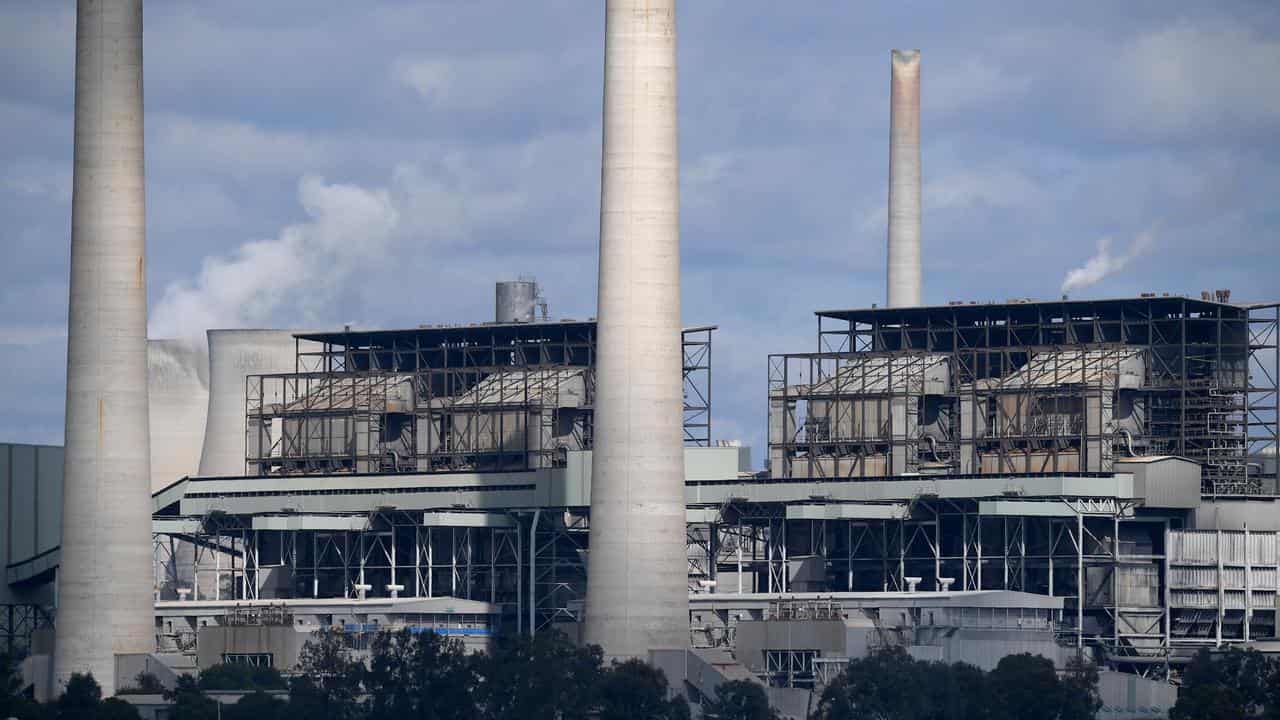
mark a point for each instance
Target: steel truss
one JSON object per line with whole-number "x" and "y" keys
{"x": 1208, "y": 390}
{"x": 501, "y": 397}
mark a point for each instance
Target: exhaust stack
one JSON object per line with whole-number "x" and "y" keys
{"x": 904, "y": 179}
{"x": 637, "y": 592}
{"x": 105, "y": 576}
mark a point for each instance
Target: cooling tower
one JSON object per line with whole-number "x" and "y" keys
{"x": 637, "y": 592}
{"x": 904, "y": 179}
{"x": 105, "y": 574}
{"x": 234, "y": 355}
{"x": 178, "y": 395}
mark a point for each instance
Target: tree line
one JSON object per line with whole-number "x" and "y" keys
{"x": 428, "y": 676}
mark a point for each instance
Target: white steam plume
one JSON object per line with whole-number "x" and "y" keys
{"x": 1106, "y": 262}
{"x": 345, "y": 224}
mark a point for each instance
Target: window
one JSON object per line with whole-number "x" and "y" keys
{"x": 252, "y": 659}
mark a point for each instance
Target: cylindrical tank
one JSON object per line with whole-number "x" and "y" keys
{"x": 105, "y": 573}
{"x": 178, "y": 397}
{"x": 637, "y": 588}
{"x": 516, "y": 301}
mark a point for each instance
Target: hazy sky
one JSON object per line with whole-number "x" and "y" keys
{"x": 383, "y": 163}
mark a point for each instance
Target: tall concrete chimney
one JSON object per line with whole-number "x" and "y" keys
{"x": 637, "y": 591}
{"x": 904, "y": 179}
{"x": 105, "y": 577}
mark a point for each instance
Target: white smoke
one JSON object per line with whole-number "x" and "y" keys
{"x": 346, "y": 227}
{"x": 1107, "y": 262}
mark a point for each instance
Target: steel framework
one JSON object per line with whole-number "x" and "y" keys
{"x": 1206, "y": 389}
{"x": 444, "y": 399}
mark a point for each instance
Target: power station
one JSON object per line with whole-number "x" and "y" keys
{"x": 965, "y": 480}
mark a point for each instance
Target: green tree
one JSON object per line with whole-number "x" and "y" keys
{"x": 420, "y": 675}
{"x": 1080, "y": 698}
{"x": 958, "y": 692}
{"x": 145, "y": 683}
{"x": 257, "y": 705}
{"x": 13, "y": 699}
{"x": 545, "y": 677}
{"x": 888, "y": 684}
{"x": 117, "y": 709}
{"x": 636, "y": 690}
{"x": 1233, "y": 684}
{"x": 329, "y": 680}
{"x": 241, "y": 676}
{"x": 80, "y": 699}
{"x": 739, "y": 700}
{"x": 190, "y": 702}
{"x": 1024, "y": 686}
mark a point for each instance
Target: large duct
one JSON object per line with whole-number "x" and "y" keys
{"x": 234, "y": 355}
{"x": 105, "y": 574}
{"x": 904, "y": 179}
{"x": 178, "y": 396}
{"x": 637, "y": 592}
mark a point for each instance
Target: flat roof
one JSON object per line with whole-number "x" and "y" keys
{"x": 1063, "y": 307}
{"x": 432, "y": 335}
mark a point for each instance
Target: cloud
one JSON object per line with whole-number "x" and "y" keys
{"x": 1187, "y": 78}
{"x": 346, "y": 227}
{"x": 1105, "y": 262}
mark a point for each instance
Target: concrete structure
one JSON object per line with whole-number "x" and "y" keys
{"x": 234, "y": 355}
{"x": 104, "y": 588}
{"x": 904, "y": 179}
{"x": 636, "y": 598}
{"x": 178, "y": 396}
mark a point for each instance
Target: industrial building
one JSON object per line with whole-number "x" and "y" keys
{"x": 966, "y": 481}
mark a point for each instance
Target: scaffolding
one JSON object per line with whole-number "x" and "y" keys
{"x": 1042, "y": 387}
{"x": 475, "y": 399}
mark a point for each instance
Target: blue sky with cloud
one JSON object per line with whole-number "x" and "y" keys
{"x": 383, "y": 163}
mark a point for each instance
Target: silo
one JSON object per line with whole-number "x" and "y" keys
{"x": 234, "y": 355}
{"x": 105, "y": 572}
{"x": 637, "y": 591}
{"x": 516, "y": 301}
{"x": 904, "y": 179}
{"x": 178, "y": 397}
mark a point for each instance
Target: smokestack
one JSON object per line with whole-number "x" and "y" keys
{"x": 904, "y": 179}
{"x": 637, "y": 591}
{"x": 105, "y": 578}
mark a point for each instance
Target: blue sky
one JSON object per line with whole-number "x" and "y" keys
{"x": 383, "y": 163}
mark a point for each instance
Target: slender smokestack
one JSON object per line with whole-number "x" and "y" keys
{"x": 904, "y": 179}
{"x": 637, "y": 591}
{"x": 105, "y": 577}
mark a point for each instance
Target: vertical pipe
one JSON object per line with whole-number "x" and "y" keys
{"x": 105, "y": 581}
{"x": 533, "y": 571}
{"x": 637, "y": 591}
{"x": 904, "y": 179}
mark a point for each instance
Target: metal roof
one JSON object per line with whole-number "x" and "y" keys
{"x": 1070, "y": 308}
